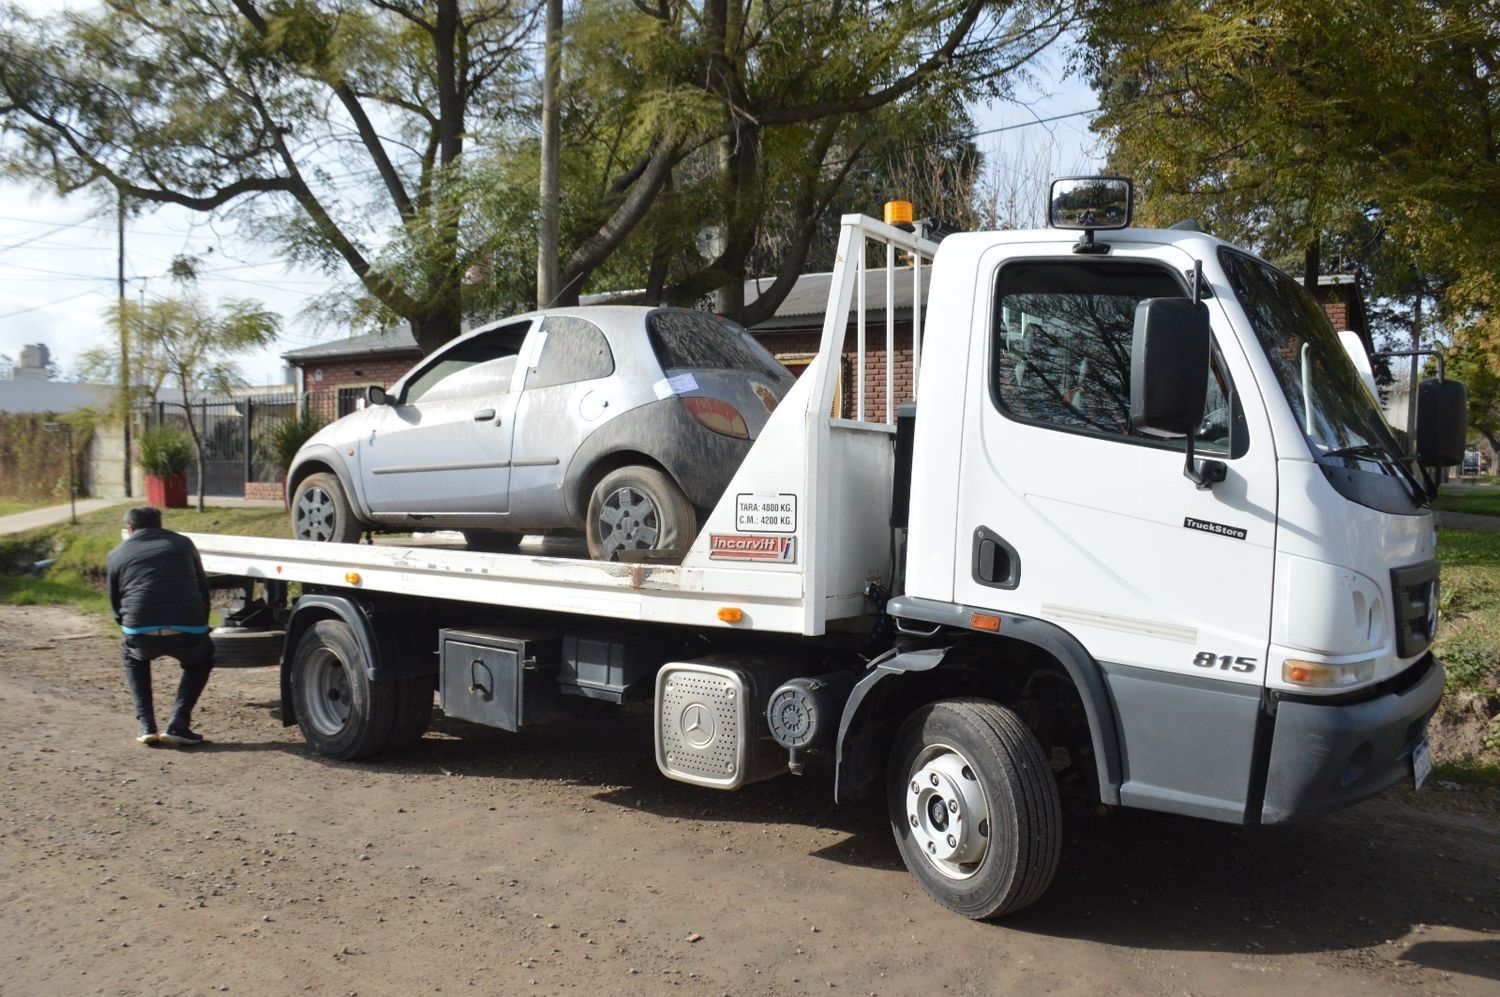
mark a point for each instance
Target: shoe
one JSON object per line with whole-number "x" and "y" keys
{"x": 182, "y": 738}
{"x": 148, "y": 737}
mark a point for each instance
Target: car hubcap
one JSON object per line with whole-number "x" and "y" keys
{"x": 948, "y": 812}
{"x": 326, "y": 695}
{"x": 315, "y": 515}
{"x": 628, "y": 520}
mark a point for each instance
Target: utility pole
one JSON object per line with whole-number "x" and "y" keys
{"x": 1411, "y": 389}
{"x": 547, "y": 228}
{"x": 124, "y": 339}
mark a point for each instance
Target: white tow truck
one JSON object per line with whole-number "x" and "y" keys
{"x": 1144, "y": 540}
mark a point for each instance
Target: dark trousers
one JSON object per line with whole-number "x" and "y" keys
{"x": 196, "y": 654}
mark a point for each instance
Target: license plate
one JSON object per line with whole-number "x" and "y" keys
{"x": 1421, "y": 762}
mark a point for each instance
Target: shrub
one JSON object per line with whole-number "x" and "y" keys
{"x": 165, "y": 450}
{"x": 279, "y": 443}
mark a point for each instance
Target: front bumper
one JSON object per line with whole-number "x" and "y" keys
{"x": 1328, "y": 755}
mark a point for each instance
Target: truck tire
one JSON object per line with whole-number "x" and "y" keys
{"x": 247, "y": 647}
{"x": 974, "y": 807}
{"x": 638, "y": 508}
{"x": 341, "y": 713}
{"x": 413, "y": 711}
{"x": 321, "y": 511}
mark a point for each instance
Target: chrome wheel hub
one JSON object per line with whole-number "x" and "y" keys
{"x": 948, "y": 813}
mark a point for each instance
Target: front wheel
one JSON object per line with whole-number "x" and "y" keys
{"x": 341, "y": 713}
{"x": 974, "y": 807}
{"x": 321, "y": 511}
{"x": 638, "y": 508}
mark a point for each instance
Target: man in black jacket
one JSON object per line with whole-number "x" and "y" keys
{"x": 160, "y": 597}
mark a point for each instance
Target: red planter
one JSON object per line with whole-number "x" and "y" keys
{"x": 167, "y": 491}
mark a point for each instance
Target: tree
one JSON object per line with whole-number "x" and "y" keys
{"x": 1284, "y": 124}
{"x": 718, "y": 130}
{"x": 334, "y": 128}
{"x": 184, "y": 344}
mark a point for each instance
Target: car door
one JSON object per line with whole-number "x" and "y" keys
{"x": 1069, "y": 515}
{"x": 567, "y": 395}
{"x": 443, "y": 446}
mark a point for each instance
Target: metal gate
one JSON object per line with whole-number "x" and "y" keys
{"x": 229, "y": 429}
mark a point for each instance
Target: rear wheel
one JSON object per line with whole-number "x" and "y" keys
{"x": 341, "y": 713}
{"x": 413, "y": 711}
{"x": 638, "y": 508}
{"x": 321, "y": 511}
{"x": 974, "y": 807}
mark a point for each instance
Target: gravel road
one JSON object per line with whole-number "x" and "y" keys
{"x": 561, "y": 861}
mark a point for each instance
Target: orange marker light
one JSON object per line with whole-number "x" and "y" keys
{"x": 731, "y": 614}
{"x": 352, "y": 577}
{"x": 898, "y": 212}
{"x": 984, "y": 621}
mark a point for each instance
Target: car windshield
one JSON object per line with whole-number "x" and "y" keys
{"x": 1334, "y": 410}
{"x": 688, "y": 340}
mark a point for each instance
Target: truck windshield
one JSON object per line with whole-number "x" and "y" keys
{"x": 1322, "y": 387}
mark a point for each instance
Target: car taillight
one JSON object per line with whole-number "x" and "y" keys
{"x": 721, "y": 417}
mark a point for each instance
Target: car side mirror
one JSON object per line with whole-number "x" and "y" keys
{"x": 1169, "y": 356}
{"x": 375, "y": 395}
{"x": 1442, "y": 422}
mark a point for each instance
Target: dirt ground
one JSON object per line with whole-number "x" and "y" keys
{"x": 561, "y": 860}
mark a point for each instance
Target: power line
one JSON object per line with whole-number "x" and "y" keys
{"x": 49, "y": 304}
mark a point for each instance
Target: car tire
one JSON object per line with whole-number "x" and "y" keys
{"x": 974, "y": 807}
{"x": 638, "y": 508}
{"x": 341, "y": 713}
{"x": 321, "y": 511}
{"x": 492, "y": 541}
{"x": 247, "y": 647}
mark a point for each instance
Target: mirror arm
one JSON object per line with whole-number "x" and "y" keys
{"x": 1206, "y": 474}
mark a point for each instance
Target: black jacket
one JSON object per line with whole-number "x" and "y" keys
{"x": 156, "y": 580}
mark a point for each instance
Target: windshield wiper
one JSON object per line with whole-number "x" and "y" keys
{"x": 1422, "y": 492}
{"x": 1363, "y": 450}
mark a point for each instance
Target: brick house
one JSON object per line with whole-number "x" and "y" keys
{"x": 332, "y": 376}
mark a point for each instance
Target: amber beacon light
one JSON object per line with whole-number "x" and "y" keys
{"x": 898, "y": 212}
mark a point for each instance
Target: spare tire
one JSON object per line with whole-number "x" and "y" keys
{"x": 247, "y": 647}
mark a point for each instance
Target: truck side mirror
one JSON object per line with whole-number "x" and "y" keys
{"x": 375, "y": 395}
{"x": 1442, "y": 422}
{"x": 1169, "y": 357}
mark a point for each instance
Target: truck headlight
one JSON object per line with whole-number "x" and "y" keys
{"x": 1317, "y": 675}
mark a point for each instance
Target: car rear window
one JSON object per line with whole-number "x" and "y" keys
{"x": 688, "y": 339}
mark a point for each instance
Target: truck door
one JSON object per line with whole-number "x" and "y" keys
{"x": 1067, "y": 514}
{"x": 444, "y": 446}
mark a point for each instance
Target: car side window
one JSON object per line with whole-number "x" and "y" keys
{"x": 1061, "y": 350}
{"x": 575, "y": 350}
{"x": 471, "y": 364}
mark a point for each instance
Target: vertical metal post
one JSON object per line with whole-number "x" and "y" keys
{"x": 916, "y": 322}
{"x": 129, "y": 413}
{"x": 859, "y": 323}
{"x": 249, "y": 446}
{"x": 890, "y": 332}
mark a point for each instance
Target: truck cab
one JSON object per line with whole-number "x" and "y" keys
{"x": 1263, "y": 635}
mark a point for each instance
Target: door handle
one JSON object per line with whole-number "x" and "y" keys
{"x": 484, "y": 415}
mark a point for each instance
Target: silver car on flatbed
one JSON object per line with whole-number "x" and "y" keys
{"x": 624, "y": 422}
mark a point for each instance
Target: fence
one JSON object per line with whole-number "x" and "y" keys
{"x": 229, "y": 429}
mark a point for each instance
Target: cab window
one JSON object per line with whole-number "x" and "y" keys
{"x": 1061, "y": 350}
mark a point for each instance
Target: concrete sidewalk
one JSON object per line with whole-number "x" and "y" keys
{"x": 30, "y": 520}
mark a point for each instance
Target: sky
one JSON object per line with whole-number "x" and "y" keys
{"x": 58, "y": 257}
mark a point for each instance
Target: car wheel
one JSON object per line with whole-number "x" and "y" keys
{"x": 492, "y": 541}
{"x": 321, "y": 511}
{"x": 638, "y": 508}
